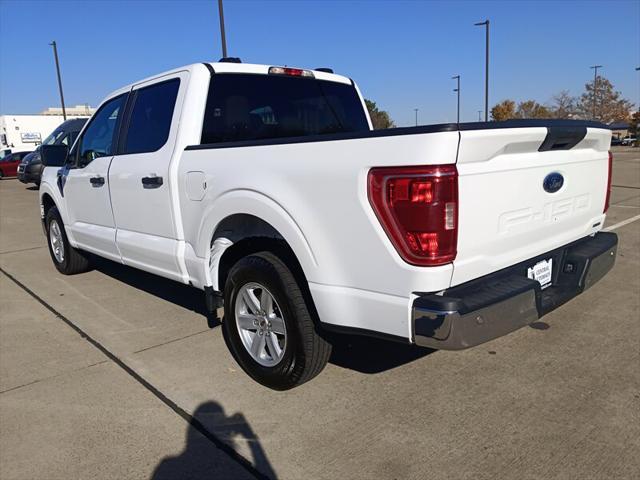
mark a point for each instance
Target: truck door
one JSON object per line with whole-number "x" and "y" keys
{"x": 85, "y": 184}
{"x": 139, "y": 177}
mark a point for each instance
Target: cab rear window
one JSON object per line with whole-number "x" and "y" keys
{"x": 254, "y": 107}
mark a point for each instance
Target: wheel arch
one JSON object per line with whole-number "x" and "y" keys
{"x": 47, "y": 202}
{"x": 249, "y": 234}
{"x": 248, "y": 217}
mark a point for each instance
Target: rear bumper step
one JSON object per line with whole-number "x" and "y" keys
{"x": 496, "y": 304}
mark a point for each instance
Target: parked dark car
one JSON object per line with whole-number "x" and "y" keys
{"x": 30, "y": 169}
{"x": 9, "y": 164}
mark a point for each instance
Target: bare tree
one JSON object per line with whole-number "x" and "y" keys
{"x": 532, "y": 109}
{"x": 609, "y": 104}
{"x": 563, "y": 105}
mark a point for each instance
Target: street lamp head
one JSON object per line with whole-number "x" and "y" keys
{"x": 595, "y": 66}
{"x": 486, "y": 22}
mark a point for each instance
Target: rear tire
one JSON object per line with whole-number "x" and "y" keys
{"x": 292, "y": 352}
{"x": 68, "y": 260}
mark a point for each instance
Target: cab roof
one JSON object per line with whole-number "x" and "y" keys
{"x": 226, "y": 67}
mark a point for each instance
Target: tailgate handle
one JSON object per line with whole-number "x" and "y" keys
{"x": 562, "y": 138}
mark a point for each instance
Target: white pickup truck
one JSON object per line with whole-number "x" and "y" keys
{"x": 267, "y": 188}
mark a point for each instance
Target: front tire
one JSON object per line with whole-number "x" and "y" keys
{"x": 268, "y": 325}
{"x": 68, "y": 260}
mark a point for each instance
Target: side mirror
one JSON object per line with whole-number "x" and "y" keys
{"x": 54, "y": 155}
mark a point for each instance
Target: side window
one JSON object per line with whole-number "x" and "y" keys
{"x": 98, "y": 139}
{"x": 151, "y": 117}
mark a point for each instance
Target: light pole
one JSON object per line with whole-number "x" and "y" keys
{"x": 638, "y": 70}
{"x": 55, "y": 55}
{"x": 486, "y": 70}
{"x": 416, "y": 110}
{"x": 595, "y": 87}
{"x": 457, "y": 90}
{"x": 222, "y": 34}
{"x": 479, "y": 115}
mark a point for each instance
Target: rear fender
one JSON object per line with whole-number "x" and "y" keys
{"x": 252, "y": 203}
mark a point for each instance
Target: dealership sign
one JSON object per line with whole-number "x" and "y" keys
{"x": 31, "y": 137}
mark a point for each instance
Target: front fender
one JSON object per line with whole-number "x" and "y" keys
{"x": 49, "y": 186}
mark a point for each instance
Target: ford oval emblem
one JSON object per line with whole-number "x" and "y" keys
{"x": 553, "y": 182}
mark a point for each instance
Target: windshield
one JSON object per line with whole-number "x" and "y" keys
{"x": 250, "y": 107}
{"x": 51, "y": 139}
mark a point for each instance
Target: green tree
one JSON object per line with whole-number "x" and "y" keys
{"x": 609, "y": 104}
{"x": 379, "y": 118}
{"x": 504, "y": 110}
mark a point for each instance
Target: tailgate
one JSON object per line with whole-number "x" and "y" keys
{"x": 505, "y": 213}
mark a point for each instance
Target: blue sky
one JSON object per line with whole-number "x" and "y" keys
{"x": 401, "y": 53}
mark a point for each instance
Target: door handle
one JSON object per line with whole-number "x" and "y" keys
{"x": 151, "y": 182}
{"x": 96, "y": 181}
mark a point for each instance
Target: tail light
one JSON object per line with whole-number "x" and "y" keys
{"x": 418, "y": 210}
{"x": 608, "y": 197}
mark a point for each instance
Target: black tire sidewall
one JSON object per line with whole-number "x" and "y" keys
{"x": 257, "y": 269}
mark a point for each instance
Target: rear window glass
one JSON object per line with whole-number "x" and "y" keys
{"x": 253, "y": 107}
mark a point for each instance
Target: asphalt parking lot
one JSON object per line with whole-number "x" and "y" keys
{"x": 116, "y": 374}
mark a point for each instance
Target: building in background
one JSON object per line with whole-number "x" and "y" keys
{"x": 77, "y": 111}
{"x": 26, "y": 132}
{"x": 619, "y": 130}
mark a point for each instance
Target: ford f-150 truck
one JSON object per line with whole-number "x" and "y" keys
{"x": 267, "y": 188}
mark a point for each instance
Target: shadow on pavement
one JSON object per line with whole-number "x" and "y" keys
{"x": 179, "y": 294}
{"x": 359, "y": 353}
{"x": 197, "y": 461}
{"x": 372, "y": 355}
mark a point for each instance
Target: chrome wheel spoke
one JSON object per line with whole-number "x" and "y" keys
{"x": 260, "y": 324}
{"x": 251, "y": 301}
{"x": 247, "y": 321}
{"x": 55, "y": 239}
{"x": 277, "y": 325}
{"x": 274, "y": 346}
{"x": 266, "y": 303}
{"x": 258, "y": 344}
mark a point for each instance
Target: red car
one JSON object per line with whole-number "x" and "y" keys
{"x": 9, "y": 164}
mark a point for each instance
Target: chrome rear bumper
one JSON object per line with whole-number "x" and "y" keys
{"x": 494, "y": 305}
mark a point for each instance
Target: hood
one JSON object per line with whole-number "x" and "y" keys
{"x": 33, "y": 157}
